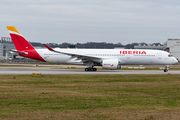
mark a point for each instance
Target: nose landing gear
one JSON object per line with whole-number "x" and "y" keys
{"x": 166, "y": 68}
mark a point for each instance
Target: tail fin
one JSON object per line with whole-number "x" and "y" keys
{"x": 19, "y": 41}
{"x": 23, "y": 47}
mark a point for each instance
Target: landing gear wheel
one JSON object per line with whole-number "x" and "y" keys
{"x": 94, "y": 69}
{"x": 86, "y": 69}
{"x": 166, "y": 68}
{"x": 90, "y": 69}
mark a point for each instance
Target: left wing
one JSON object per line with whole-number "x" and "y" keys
{"x": 83, "y": 57}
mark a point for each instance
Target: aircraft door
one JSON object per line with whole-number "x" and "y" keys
{"x": 41, "y": 53}
{"x": 159, "y": 55}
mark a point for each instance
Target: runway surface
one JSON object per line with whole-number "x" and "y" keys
{"x": 51, "y": 70}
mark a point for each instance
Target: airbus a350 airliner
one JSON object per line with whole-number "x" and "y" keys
{"x": 107, "y": 58}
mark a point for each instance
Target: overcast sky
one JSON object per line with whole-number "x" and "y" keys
{"x": 81, "y": 21}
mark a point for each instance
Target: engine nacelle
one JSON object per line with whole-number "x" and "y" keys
{"x": 112, "y": 64}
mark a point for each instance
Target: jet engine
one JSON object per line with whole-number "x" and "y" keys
{"x": 112, "y": 64}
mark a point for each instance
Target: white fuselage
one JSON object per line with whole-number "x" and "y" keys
{"x": 125, "y": 56}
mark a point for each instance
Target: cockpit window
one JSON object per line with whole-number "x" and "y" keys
{"x": 170, "y": 55}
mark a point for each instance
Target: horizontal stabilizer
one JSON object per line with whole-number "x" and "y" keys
{"x": 15, "y": 51}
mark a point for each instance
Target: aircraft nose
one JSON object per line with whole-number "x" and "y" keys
{"x": 175, "y": 61}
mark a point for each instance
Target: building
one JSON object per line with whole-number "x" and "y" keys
{"x": 6, "y": 43}
{"x": 173, "y": 46}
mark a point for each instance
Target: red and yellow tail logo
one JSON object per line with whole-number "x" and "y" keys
{"x": 22, "y": 45}
{"x": 19, "y": 41}
{"x": 12, "y": 29}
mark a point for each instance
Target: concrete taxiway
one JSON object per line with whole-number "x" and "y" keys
{"x": 51, "y": 70}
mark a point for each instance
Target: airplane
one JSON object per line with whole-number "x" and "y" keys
{"x": 106, "y": 58}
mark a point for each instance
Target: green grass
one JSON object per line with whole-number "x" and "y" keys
{"x": 90, "y": 97}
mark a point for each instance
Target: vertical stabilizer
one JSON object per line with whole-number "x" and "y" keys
{"x": 19, "y": 41}
{"x": 23, "y": 47}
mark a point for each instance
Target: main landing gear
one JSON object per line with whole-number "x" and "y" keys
{"x": 166, "y": 68}
{"x": 90, "y": 69}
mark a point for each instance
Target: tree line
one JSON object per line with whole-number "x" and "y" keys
{"x": 93, "y": 45}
